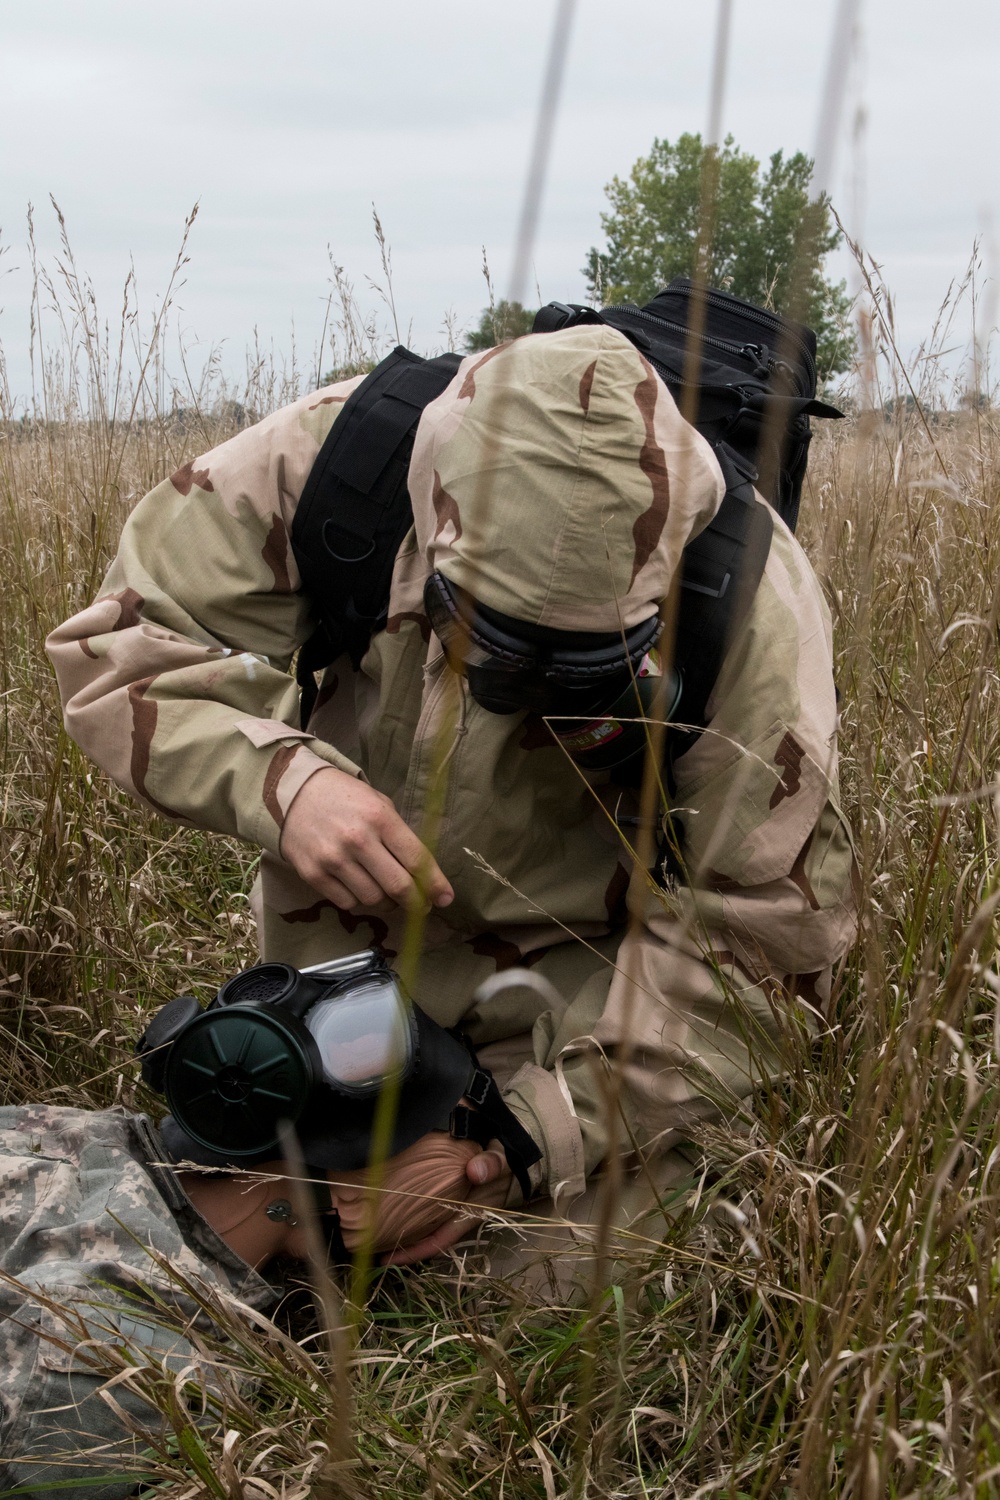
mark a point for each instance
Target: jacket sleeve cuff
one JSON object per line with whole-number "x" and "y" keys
{"x": 291, "y": 765}
{"x": 535, "y": 1097}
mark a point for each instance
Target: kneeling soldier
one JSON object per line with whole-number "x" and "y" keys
{"x": 554, "y": 486}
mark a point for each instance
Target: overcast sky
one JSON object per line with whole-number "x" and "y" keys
{"x": 286, "y": 122}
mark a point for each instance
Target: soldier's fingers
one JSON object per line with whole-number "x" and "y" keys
{"x": 377, "y": 908}
{"x": 488, "y": 1166}
{"x": 342, "y": 888}
{"x": 390, "y": 875}
{"x": 364, "y": 889}
{"x": 414, "y": 856}
{"x": 335, "y": 892}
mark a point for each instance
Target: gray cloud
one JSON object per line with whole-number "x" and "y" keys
{"x": 288, "y": 122}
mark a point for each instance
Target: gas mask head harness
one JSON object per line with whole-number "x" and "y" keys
{"x": 314, "y": 1048}
{"x": 594, "y": 688}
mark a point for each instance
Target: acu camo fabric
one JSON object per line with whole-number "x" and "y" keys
{"x": 555, "y": 479}
{"x": 84, "y": 1208}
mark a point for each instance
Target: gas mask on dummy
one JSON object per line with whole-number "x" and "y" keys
{"x": 594, "y": 689}
{"x": 314, "y": 1048}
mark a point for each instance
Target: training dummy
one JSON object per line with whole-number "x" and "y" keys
{"x": 109, "y": 1233}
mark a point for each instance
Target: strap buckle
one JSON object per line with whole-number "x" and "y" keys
{"x": 479, "y": 1088}
{"x": 702, "y": 588}
{"x": 466, "y": 1125}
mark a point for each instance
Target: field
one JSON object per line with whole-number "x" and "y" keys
{"x": 836, "y": 1331}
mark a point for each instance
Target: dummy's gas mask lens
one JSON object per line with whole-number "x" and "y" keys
{"x": 362, "y": 1038}
{"x": 594, "y": 690}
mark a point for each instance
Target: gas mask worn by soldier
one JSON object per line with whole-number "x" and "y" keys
{"x": 594, "y": 690}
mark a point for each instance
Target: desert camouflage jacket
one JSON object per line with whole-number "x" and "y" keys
{"x": 555, "y": 472}
{"x": 89, "y": 1226}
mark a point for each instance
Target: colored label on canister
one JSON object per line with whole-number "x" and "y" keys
{"x": 592, "y": 736}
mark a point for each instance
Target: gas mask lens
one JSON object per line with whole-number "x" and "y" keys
{"x": 363, "y": 1037}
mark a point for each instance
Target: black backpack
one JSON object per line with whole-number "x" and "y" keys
{"x": 755, "y": 386}
{"x": 355, "y": 507}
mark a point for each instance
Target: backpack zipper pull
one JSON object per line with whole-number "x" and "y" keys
{"x": 758, "y": 352}
{"x": 782, "y": 365}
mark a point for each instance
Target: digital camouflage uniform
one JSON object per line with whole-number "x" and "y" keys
{"x": 556, "y": 481}
{"x": 82, "y": 1205}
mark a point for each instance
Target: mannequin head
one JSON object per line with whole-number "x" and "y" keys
{"x": 418, "y": 1191}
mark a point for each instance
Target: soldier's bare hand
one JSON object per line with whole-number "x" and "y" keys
{"x": 349, "y": 843}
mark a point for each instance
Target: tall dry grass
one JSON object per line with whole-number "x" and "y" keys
{"x": 834, "y": 1330}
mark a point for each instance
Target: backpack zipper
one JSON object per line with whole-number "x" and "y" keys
{"x": 730, "y": 346}
{"x": 771, "y": 322}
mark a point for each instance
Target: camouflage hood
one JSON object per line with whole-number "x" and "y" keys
{"x": 555, "y": 480}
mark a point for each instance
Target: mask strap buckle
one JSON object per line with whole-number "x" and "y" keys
{"x": 468, "y": 1125}
{"x": 479, "y": 1089}
{"x": 493, "y": 1119}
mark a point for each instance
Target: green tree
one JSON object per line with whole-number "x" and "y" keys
{"x": 503, "y": 320}
{"x": 765, "y": 243}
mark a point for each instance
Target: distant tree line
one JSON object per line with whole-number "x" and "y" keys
{"x": 767, "y": 243}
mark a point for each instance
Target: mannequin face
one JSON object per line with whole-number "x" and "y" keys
{"x": 419, "y": 1189}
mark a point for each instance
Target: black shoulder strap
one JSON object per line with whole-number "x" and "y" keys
{"x": 720, "y": 572}
{"x": 355, "y": 508}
